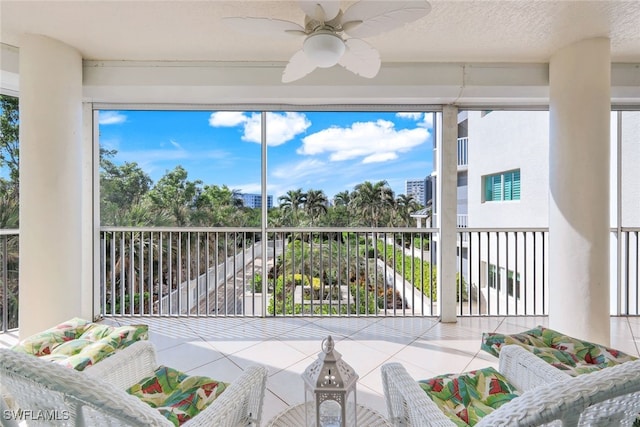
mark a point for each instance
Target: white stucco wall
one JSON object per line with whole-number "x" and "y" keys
{"x": 502, "y": 141}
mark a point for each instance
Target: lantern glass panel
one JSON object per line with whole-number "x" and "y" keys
{"x": 330, "y": 414}
{"x": 351, "y": 409}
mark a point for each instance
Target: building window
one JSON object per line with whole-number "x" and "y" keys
{"x": 502, "y": 186}
{"x": 513, "y": 287}
{"x": 497, "y": 276}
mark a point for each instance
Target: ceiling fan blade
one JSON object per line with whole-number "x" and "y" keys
{"x": 264, "y": 26}
{"x": 299, "y": 66}
{"x": 360, "y": 58}
{"x": 327, "y": 10}
{"x": 368, "y": 18}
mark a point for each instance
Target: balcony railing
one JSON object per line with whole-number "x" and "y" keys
{"x": 322, "y": 272}
{"x": 9, "y": 253}
{"x": 505, "y": 271}
{"x": 463, "y": 151}
{"x": 227, "y": 272}
{"x": 319, "y": 272}
{"x": 628, "y": 269}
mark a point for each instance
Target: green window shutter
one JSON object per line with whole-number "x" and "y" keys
{"x": 496, "y": 187}
{"x": 515, "y": 189}
{"x": 508, "y": 180}
{"x": 488, "y": 194}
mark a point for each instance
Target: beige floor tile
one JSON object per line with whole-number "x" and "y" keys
{"x": 188, "y": 356}
{"x": 271, "y": 354}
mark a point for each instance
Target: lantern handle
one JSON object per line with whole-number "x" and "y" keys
{"x": 327, "y": 345}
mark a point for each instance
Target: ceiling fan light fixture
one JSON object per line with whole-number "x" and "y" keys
{"x": 324, "y": 48}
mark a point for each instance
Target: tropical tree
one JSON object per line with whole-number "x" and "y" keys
{"x": 277, "y": 218}
{"x": 217, "y": 206}
{"x": 372, "y": 200}
{"x": 291, "y": 203}
{"x": 315, "y": 204}
{"x": 339, "y": 215}
{"x": 9, "y": 212}
{"x": 176, "y": 194}
{"x": 9, "y": 133}
{"x": 405, "y": 206}
{"x": 122, "y": 188}
{"x": 342, "y": 198}
{"x": 9, "y": 206}
{"x": 9, "y": 158}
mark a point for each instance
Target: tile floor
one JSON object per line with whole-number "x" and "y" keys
{"x": 222, "y": 347}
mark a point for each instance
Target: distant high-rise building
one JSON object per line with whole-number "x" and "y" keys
{"x": 418, "y": 189}
{"x": 255, "y": 200}
{"x": 429, "y": 187}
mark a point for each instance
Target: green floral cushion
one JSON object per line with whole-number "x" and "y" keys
{"x": 79, "y": 343}
{"x": 176, "y": 395}
{"x": 564, "y": 352}
{"x": 44, "y": 342}
{"x": 466, "y": 398}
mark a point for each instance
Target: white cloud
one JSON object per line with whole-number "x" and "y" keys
{"x": 175, "y": 144}
{"x": 410, "y": 116}
{"x": 372, "y": 141}
{"x": 111, "y": 118}
{"x": 427, "y": 122}
{"x": 424, "y": 119}
{"x": 379, "y": 157}
{"x": 281, "y": 127}
{"x": 227, "y": 119}
{"x": 295, "y": 171}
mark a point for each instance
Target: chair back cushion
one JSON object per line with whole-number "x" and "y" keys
{"x": 176, "y": 395}
{"x": 562, "y": 351}
{"x": 79, "y": 343}
{"x": 466, "y": 398}
{"x": 44, "y": 342}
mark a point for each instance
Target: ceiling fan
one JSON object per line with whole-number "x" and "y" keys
{"x": 332, "y": 36}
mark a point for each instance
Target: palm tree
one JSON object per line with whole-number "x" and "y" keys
{"x": 406, "y": 205}
{"x": 342, "y": 198}
{"x": 343, "y": 206}
{"x": 292, "y": 202}
{"x": 372, "y": 201}
{"x": 315, "y": 204}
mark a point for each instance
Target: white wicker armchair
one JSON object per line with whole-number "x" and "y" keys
{"x": 97, "y": 397}
{"x": 605, "y": 398}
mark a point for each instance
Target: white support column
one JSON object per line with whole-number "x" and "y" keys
{"x": 447, "y": 214}
{"x": 50, "y": 184}
{"x": 579, "y": 110}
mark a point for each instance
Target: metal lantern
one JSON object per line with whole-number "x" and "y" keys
{"x": 330, "y": 390}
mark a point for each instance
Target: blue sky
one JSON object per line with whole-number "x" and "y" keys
{"x": 331, "y": 151}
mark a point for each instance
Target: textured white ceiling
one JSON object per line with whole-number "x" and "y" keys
{"x": 454, "y": 31}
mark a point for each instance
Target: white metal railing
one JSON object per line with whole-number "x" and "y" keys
{"x": 463, "y": 151}
{"x": 505, "y": 271}
{"x": 628, "y": 270}
{"x": 224, "y": 272}
{"x": 9, "y": 256}
{"x": 318, "y": 271}
{"x": 321, "y": 271}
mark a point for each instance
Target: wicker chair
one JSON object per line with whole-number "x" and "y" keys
{"x": 97, "y": 396}
{"x": 607, "y": 397}
{"x": 571, "y": 355}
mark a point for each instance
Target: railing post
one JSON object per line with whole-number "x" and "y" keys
{"x": 5, "y": 286}
{"x": 264, "y": 212}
